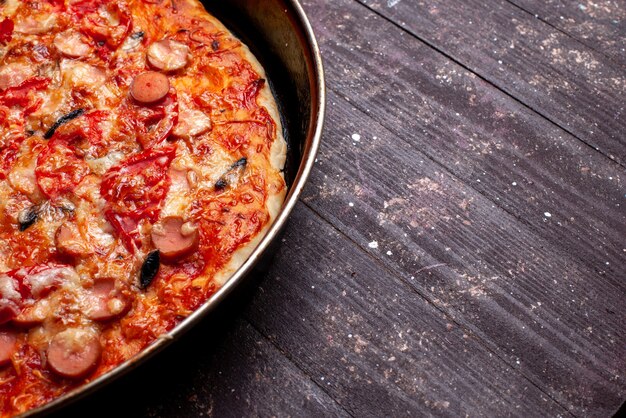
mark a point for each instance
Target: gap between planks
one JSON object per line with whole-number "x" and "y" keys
{"x": 486, "y": 80}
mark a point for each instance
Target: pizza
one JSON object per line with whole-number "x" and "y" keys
{"x": 141, "y": 158}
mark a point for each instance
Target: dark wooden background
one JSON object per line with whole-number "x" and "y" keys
{"x": 461, "y": 246}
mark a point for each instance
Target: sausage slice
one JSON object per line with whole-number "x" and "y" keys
{"x": 149, "y": 87}
{"x": 69, "y": 241}
{"x": 71, "y": 44}
{"x": 105, "y": 302}
{"x": 74, "y": 353}
{"x": 8, "y": 344}
{"x": 174, "y": 238}
{"x": 168, "y": 55}
{"x": 33, "y": 315}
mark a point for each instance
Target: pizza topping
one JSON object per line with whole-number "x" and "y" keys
{"x": 135, "y": 190}
{"x": 35, "y": 25}
{"x": 104, "y": 302}
{"x": 232, "y": 176}
{"x": 149, "y": 87}
{"x": 62, "y": 120}
{"x": 74, "y": 353}
{"x": 192, "y": 123}
{"x": 174, "y": 238}
{"x": 6, "y": 30}
{"x": 40, "y": 280}
{"x": 133, "y": 41}
{"x": 33, "y": 315}
{"x": 27, "y": 217}
{"x": 10, "y": 298}
{"x": 78, "y": 74}
{"x": 58, "y": 169}
{"x": 15, "y": 73}
{"x": 69, "y": 241}
{"x": 149, "y": 269}
{"x": 168, "y": 55}
{"x": 72, "y": 44}
{"x": 8, "y": 344}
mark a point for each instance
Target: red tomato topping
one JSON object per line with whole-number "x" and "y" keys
{"x": 135, "y": 190}
{"x": 84, "y": 128}
{"x": 19, "y": 95}
{"x": 6, "y": 30}
{"x": 96, "y": 18}
{"x": 154, "y": 123}
{"x": 58, "y": 169}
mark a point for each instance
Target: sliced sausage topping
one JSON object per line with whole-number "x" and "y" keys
{"x": 192, "y": 123}
{"x": 149, "y": 87}
{"x": 105, "y": 302}
{"x": 13, "y": 74}
{"x": 8, "y": 344}
{"x": 168, "y": 55}
{"x": 71, "y": 44}
{"x": 74, "y": 353}
{"x": 175, "y": 238}
{"x": 69, "y": 241}
{"x": 33, "y": 315}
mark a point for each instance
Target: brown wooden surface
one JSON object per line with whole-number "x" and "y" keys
{"x": 461, "y": 246}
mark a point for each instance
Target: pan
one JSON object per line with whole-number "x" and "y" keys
{"x": 280, "y": 35}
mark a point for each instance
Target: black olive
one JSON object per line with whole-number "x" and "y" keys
{"x": 231, "y": 175}
{"x": 221, "y": 184}
{"x": 240, "y": 163}
{"x": 149, "y": 269}
{"x": 63, "y": 119}
{"x": 27, "y": 217}
{"x": 136, "y": 35}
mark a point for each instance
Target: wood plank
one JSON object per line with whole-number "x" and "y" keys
{"x": 376, "y": 346}
{"x": 537, "y": 307}
{"x": 571, "y": 85}
{"x": 599, "y": 24}
{"x": 223, "y": 367}
{"x": 522, "y": 163}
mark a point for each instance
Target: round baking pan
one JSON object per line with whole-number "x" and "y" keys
{"x": 279, "y": 34}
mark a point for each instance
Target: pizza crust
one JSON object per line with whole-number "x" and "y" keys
{"x": 278, "y": 157}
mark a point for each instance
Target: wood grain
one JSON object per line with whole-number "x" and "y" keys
{"x": 374, "y": 344}
{"x": 600, "y": 25}
{"x": 566, "y": 82}
{"x": 499, "y": 270}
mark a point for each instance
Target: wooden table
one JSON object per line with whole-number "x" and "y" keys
{"x": 461, "y": 246}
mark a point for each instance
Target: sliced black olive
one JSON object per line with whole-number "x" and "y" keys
{"x": 27, "y": 217}
{"x": 63, "y": 119}
{"x": 232, "y": 175}
{"x": 137, "y": 35}
{"x": 239, "y": 163}
{"x": 149, "y": 269}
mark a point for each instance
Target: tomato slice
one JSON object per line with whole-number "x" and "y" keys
{"x": 154, "y": 123}
{"x": 19, "y": 95}
{"x": 135, "y": 190}
{"x": 6, "y": 30}
{"x": 58, "y": 169}
{"x": 84, "y": 132}
{"x": 97, "y": 19}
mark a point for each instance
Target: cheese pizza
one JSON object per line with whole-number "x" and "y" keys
{"x": 141, "y": 157}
